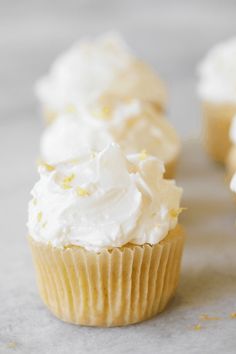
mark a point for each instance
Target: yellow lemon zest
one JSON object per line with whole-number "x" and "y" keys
{"x": 143, "y": 155}
{"x": 81, "y": 192}
{"x": 40, "y": 215}
{"x": 66, "y": 181}
{"x": 103, "y": 113}
{"x": 174, "y": 213}
{"x": 48, "y": 167}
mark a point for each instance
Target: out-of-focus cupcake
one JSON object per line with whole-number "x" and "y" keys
{"x": 104, "y": 238}
{"x": 135, "y": 126}
{"x": 231, "y": 158}
{"x": 217, "y": 90}
{"x": 233, "y": 183}
{"x": 93, "y": 69}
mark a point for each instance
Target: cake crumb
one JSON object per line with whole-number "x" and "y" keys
{"x": 233, "y": 315}
{"x": 205, "y": 317}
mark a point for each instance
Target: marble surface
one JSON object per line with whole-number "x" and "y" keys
{"x": 172, "y": 36}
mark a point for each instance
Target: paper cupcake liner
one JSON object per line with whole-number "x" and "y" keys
{"x": 170, "y": 168}
{"x": 110, "y": 288}
{"x": 231, "y": 163}
{"x": 217, "y": 120}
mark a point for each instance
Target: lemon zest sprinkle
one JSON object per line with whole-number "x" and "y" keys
{"x": 174, "y": 213}
{"x": 69, "y": 178}
{"x": 48, "y": 167}
{"x": 104, "y": 113}
{"x": 81, "y": 192}
{"x": 66, "y": 181}
{"x": 40, "y": 215}
{"x": 143, "y": 155}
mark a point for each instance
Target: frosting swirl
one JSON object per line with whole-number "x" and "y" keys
{"x": 132, "y": 125}
{"x": 94, "y": 68}
{"x": 218, "y": 73}
{"x": 103, "y": 201}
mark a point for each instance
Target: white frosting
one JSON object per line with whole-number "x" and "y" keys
{"x": 132, "y": 125}
{"x": 218, "y": 73}
{"x": 84, "y": 72}
{"x": 232, "y": 131}
{"x": 104, "y": 201}
{"x": 233, "y": 183}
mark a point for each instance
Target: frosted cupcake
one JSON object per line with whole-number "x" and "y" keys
{"x": 93, "y": 69}
{"x": 233, "y": 183}
{"x": 231, "y": 158}
{"x": 134, "y": 125}
{"x": 104, "y": 238}
{"x": 217, "y": 90}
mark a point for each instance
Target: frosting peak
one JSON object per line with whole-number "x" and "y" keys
{"x": 218, "y": 73}
{"x": 84, "y": 72}
{"x": 133, "y": 125}
{"x": 104, "y": 200}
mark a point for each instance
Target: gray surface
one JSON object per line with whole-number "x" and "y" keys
{"x": 172, "y": 35}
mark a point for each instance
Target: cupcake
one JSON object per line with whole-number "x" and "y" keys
{"x": 231, "y": 158}
{"x": 105, "y": 238}
{"x": 135, "y": 126}
{"x": 93, "y": 69}
{"x": 233, "y": 183}
{"x": 218, "y": 94}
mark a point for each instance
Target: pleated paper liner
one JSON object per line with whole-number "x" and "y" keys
{"x": 170, "y": 168}
{"x": 216, "y": 121}
{"x": 111, "y": 288}
{"x": 231, "y": 163}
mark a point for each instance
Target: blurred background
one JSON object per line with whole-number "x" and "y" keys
{"x": 172, "y": 36}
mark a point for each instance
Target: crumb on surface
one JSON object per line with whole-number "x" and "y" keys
{"x": 233, "y": 315}
{"x": 197, "y": 327}
{"x": 11, "y": 345}
{"x": 205, "y": 317}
